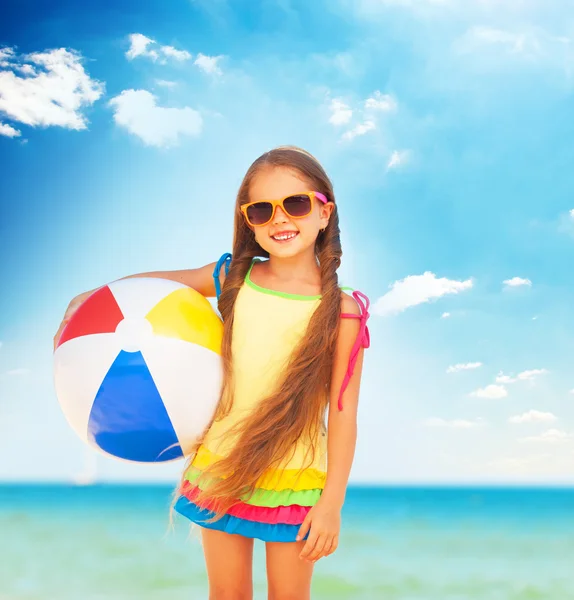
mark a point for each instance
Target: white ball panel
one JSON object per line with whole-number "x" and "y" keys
{"x": 138, "y": 300}
{"x": 80, "y": 367}
{"x": 188, "y": 378}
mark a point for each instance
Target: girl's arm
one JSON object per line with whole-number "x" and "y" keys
{"x": 200, "y": 279}
{"x": 323, "y": 522}
{"x": 342, "y": 424}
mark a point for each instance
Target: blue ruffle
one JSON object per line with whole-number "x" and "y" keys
{"x": 279, "y": 532}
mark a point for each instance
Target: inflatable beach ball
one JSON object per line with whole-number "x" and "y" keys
{"x": 138, "y": 369}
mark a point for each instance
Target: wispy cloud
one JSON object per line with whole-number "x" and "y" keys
{"x": 143, "y": 46}
{"x": 138, "y": 112}
{"x": 360, "y": 129}
{"x": 476, "y": 38}
{"x": 463, "y": 367}
{"x": 208, "y": 64}
{"x": 529, "y": 375}
{"x": 381, "y": 102}
{"x": 531, "y": 45}
{"x": 455, "y": 423}
{"x": 533, "y": 416}
{"x": 9, "y": 131}
{"x": 52, "y": 91}
{"x": 341, "y": 112}
{"x": 417, "y": 289}
{"x": 551, "y": 436}
{"x": 492, "y": 392}
{"x": 367, "y": 113}
{"x": 517, "y": 282}
{"x": 165, "y": 83}
{"x": 445, "y": 315}
{"x": 179, "y": 55}
{"x": 398, "y": 159}
{"x": 16, "y": 372}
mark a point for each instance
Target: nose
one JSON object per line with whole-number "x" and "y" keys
{"x": 280, "y": 216}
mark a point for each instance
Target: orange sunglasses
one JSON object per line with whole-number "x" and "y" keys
{"x": 296, "y": 206}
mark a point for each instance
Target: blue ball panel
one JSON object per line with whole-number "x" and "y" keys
{"x": 128, "y": 418}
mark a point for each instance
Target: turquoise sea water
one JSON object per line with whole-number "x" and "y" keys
{"x": 110, "y": 542}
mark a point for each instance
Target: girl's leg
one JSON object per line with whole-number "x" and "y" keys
{"x": 229, "y": 562}
{"x": 288, "y": 577}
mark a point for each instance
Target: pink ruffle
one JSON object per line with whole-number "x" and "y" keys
{"x": 289, "y": 515}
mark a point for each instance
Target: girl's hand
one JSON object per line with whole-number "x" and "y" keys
{"x": 72, "y": 308}
{"x": 324, "y": 520}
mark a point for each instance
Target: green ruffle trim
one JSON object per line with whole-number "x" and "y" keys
{"x": 266, "y": 498}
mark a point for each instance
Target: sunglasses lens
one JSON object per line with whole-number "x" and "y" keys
{"x": 298, "y": 206}
{"x": 259, "y": 213}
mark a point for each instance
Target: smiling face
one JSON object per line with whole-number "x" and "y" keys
{"x": 285, "y": 236}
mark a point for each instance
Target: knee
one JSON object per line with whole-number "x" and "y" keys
{"x": 288, "y": 595}
{"x": 236, "y": 593}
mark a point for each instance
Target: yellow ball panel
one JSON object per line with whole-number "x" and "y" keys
{"x": 187, "y": 315}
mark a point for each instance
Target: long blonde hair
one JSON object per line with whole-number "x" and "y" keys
{"x": 296, "y": 407}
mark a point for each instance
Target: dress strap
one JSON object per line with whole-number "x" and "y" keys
{"x": 224, "y": 260}
{"x": 363, "y": 339}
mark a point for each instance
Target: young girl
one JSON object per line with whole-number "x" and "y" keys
{"x": 292, "y": 347}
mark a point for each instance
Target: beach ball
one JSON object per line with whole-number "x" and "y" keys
{"x": 138, "y": 370}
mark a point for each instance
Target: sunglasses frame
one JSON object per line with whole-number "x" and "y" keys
{"x": 275, "y": 203}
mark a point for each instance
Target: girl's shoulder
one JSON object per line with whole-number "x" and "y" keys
{"x": 349, "y": 304}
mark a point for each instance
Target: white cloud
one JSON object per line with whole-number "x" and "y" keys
{"x": 491, "y": 392}
{"x": 516, "y": 43}
{"x": 359, "y": 129}
{"x": 382, "y": 102}
{"x": 571, "y": 213}
{"x": 522, "y": 376}
{"x": 552, "y": 436}
{"x": 165, "y": 83}
{"x": 54, "y": 96}
{"x": 501, "y": 378}
{"x": 398, "y": 159}
{"x": 517, "y": 281}
{"x": 137, "y": 111}
{"x": 417, "y": 289}
{"x": 533, "y": 416}
{"x": 463, "y": 367}
{"x": 208, "y": 64}
{"x": 530, "y": 46}
{"x": 9, "y": 131}
{"x": 445, "y": 315}
{"x": 141, "y": 45}
{"x": 530, "y": 375}
{"x": 572, "y": 391}
{"x": 176, "y": 54}
{"x": 16, "y": 372}
{"x": 454, "y": 423}
{"x": 7, "y": 55}
{"x": 341, "y": 113}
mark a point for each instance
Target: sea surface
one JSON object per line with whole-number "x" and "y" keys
{"x": 112, "y": 542}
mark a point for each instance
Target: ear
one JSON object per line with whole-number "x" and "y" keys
{"x": 325, "y": 213}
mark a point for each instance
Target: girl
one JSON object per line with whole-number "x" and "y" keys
{"x": 265, "y": 467}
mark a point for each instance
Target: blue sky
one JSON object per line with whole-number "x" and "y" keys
{"x": 446, "y": 127}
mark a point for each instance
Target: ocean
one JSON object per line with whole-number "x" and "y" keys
{"x": 114, "y": 542}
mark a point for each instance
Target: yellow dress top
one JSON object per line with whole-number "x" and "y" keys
{"x": 267, "y": 326}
